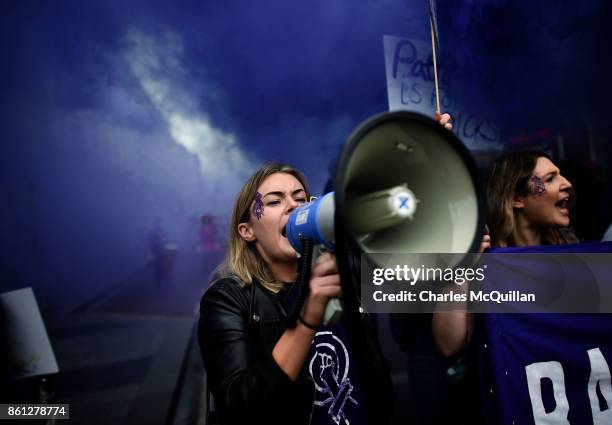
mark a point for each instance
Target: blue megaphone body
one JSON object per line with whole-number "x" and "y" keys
{"x": 367, "y": 213}
{"x": 314, "y": 220}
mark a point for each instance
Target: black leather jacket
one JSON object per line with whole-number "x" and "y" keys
{"x": 239, "y": 327}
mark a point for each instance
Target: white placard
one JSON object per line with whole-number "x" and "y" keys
{"x": 30, "y": 351}
{"x": 410, "y": 86}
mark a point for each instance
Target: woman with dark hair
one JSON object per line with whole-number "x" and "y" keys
{"x": 260, "y": 368}
{"x": 528, "y": 204}
{"x": 528, "y": 201}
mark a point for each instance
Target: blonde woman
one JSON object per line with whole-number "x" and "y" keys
{"x": 259, "y": 369}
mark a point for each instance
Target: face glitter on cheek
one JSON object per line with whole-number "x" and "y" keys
{"x": 258, "y": 207}
{"x": 537, "y": 186}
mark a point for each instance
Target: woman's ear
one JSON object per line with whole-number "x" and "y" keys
{"x": 518, "y": 201}
{"x": 246, "y": 232}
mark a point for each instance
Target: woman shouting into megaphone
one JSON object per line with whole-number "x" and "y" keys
{"x": 260, "y": 368}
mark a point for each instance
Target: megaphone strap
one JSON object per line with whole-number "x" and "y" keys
{"x": 302, "y": 282}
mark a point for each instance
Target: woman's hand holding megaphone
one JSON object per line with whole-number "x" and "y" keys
{"x": 324, "y": 285}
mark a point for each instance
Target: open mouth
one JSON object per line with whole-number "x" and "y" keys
{"x": 563, "y": 205}
{"x": 284, "y": 232}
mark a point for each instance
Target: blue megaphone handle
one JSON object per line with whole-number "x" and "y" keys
{"x": 305, "y": 223}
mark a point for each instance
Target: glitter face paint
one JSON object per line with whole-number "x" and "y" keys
{"x": 537, "y": 186}
{"x": 258, "y": 206}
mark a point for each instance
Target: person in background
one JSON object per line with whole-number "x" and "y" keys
{"x": 528, "y": 202}
{"x": 209, "y": 248}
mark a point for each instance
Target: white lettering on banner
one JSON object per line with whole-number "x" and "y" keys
{"x": 554, "y": 371}
{"x": 600, "y": 376}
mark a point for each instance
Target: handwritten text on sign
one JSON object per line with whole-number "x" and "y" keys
{"x": 410, "y": 86}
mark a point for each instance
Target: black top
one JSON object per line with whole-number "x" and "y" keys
{"x": 239, "y": 327}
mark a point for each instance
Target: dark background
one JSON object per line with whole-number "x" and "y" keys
{"x": 116, "y": 113}
{"x": 98, "y": 97}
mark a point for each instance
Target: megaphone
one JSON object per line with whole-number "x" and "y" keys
{"x": 403, "y": 184}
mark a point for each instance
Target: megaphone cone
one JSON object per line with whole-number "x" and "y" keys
{"x": 403, "y": 184}
{"x": 408, "y": 167}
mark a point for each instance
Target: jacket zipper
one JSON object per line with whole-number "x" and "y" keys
{"x": 314, "y": 397}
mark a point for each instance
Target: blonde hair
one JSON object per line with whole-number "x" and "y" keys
{"x": 508, "y": 176}
{"x": 242, "y": 258}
